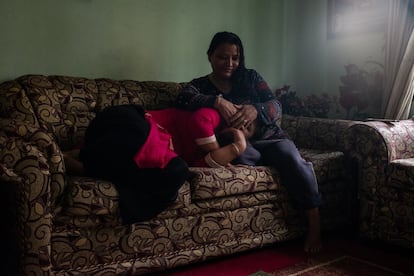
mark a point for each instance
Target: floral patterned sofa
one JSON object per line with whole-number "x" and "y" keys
{"x": 385, "y": 156}
{"x": 70, "y": 225}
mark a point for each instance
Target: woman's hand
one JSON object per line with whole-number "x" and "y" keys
{"x": 249, "y": 130}
{"x": 244, "y": 117}
{"x": 226, "y": 109}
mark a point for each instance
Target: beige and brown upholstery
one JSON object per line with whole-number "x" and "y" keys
{"x": 70, "y": 225}
{"x": 385, "y": 155}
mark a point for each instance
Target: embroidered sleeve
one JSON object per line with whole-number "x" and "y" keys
{"x": 268, "y": 107}
{"x": 195, "y": 95}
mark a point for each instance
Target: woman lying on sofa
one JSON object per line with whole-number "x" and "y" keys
{"x": 146, "y": 154}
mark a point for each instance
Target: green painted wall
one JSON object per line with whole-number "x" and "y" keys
{"x": 313, "y": 63}
{"x": 285, "y": 40}
{"x": 139, "y": 39}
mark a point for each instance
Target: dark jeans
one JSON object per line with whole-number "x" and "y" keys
{"x": 296, "y": 174}
{"x": 143, "y": 193}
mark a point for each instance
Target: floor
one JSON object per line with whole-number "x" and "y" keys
{"x": 288, "y": 253}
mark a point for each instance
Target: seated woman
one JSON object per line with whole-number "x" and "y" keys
{"x": 146, "y": 153}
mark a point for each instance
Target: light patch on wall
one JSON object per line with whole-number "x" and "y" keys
{"x": 350, "y": 17}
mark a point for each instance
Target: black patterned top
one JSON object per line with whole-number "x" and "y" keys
{"x": 248, "y": 88}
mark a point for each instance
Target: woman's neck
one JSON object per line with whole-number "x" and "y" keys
{"x": 224, "y": 85}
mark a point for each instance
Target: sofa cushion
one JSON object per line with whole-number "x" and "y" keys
{"x": 328, "y": 165}
{"x": 63, "y": 106}
{"x": 88, "y": 196}
{"x": 316, "y": 133}
{"x": 15, "y": 104}
{"x": 210, "y": 183}
{"x": 94, "y": 197}
{"x": 400, "y": 175}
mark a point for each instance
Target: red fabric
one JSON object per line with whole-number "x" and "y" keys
{"x": 157, "y": 150}
{"x": 188, "y": 129}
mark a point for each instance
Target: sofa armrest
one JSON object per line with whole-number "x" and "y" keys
{"x": 374, "y": 145}
{"x": 32, "y": 172}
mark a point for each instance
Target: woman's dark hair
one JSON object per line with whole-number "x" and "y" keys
{"x": 227, "y": 37}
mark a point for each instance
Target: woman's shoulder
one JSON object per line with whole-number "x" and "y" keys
{"x": 251, "y": 76}
{"x": 252, "y": 73}
{"x": 199, "y": 80}
{"x": 201, "y": 83}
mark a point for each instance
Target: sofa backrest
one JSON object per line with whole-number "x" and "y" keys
{"x": 65, "y": 105}
{"x": 14, "y": 103}
{"x": 317, "y": 133}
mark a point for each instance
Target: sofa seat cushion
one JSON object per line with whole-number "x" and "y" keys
{"x": 400, "y": 174}
{"x": 394, "y": 212}
{"x": 95, "y": 197}
{"x": 328, "y": 165}
{"x": 209, "y": 183}
{"x": 89, "y": 196}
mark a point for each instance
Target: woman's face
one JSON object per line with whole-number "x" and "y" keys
{"x": 224, "y": 60}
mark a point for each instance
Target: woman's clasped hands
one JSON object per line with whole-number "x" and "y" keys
{"x": 241, "y": 117}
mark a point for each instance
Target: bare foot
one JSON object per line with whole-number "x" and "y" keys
{"x": 313, "y": 243}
